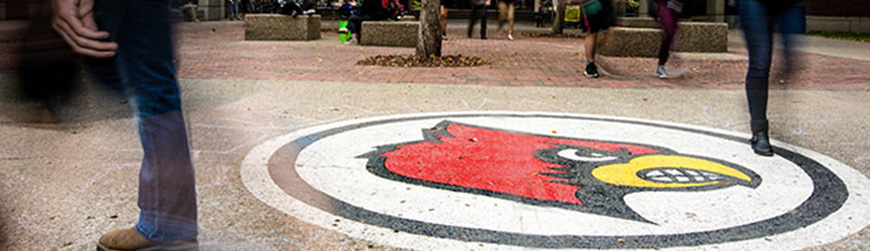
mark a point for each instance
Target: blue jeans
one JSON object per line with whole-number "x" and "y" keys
{"x": 144, "y": 69}
{"x": 759, "y": 20}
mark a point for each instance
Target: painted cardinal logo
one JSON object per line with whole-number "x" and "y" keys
{"x": 583, "y": 175}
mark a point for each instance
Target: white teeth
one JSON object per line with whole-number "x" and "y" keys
{"x": 681, "y": 176}
{"x": 655, "y": 173}
{"x": 674, "y": 172}
{"x": 662, "y": 179}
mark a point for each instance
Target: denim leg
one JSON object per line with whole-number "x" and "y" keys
{"x": 792, "y": 22}
{"x": 756, "y": 20}
{"x": 167, "y": 196}
{"x": 668, "y": 19}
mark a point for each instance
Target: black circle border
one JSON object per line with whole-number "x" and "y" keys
{"x": 829, "y": 194}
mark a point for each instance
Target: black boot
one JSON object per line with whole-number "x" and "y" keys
{"x": 760, "y": 139}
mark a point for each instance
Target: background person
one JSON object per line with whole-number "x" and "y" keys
{"x": 445, "y": 8}
{"x": 478, "y": 10}
{"x": 668, "y": 13}
{"x": 506, "y": 12}
{"x": 593, "y": 23}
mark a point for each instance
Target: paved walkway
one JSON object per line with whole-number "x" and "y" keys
{"x": 216, "y": 50}
{"x": 60, "y": 187}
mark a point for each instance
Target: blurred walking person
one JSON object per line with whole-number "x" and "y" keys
{"x": 128, "y": 43}
{"x": 758, "y": 19}
{"x": 668, "y": 13}
{"x": 478, "y": 11}
{"x": 445, "y": 8}
{"x": 597, "y": 16}
{"x": 234, "y": 9}
{"x": 506, "y": 13}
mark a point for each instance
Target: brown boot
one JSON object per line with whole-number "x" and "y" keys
{"x": 130, "y": 239}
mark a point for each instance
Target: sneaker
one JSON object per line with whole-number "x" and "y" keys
{"x": 510, "y": 37}
{"x": 661, "y": 72}
{"x": 308, "y": 12}
{"x": 591, "y": 70}
{"x": 343, "y": 31}
{"x": 352, "y": 41}
{"x": 130, "y": 239}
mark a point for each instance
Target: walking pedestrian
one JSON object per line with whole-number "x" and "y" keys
{"x": 191, "y": 7}
{"x": 758, "y": 19}
{"x": 506, "y": 12}
{"x": 668, "y": 13}
{"x": 445, "y": 8}
{"x": 129, "y": 43}
{"x": 597, "y": 16}
{"x": 234, "y": 9}
{"x": 478, "y": 10}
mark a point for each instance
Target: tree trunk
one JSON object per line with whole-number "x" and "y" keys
{"x": 559, "y": 8}
{"x": 430, "y": 29}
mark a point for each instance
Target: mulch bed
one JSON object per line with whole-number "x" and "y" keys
{"x": 417, "y": 61}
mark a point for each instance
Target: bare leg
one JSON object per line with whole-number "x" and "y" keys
{"x": 510, "y": 17}
{"x": 444, "y": 11}
{"x": 502, "y": 15}
{"x": 590, "y": 47}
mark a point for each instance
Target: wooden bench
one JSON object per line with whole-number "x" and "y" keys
{"x": 703, "y": 37}
{"x": 404, "y": 33}
{"x": 281, "y": 27}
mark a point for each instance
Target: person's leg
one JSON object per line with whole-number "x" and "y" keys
{"x": 668, "y": 19}
{"x": 502, "y": 16}
{"x": 167, "y": 196}
{"x": 792, "y": 24}
{"x": 757, "y": 29}
{"x": 510, "y": 17}
{"x": 473, "y": 20}
{"x": 354, "y": 25}
{"x": 444, "y": 11}
{"x": 591, "y": 68}
{"x": 195, "y": 11}
{"x": 483, "y": 22}
{"x": 590, "y": 47}
{"x": 235, "y": 6}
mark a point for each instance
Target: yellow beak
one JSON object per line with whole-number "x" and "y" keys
{"x": 671, "y": 171}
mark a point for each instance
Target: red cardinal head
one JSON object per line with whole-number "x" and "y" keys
{"x": 584, "y": 175}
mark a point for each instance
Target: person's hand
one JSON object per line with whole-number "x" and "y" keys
{"x": 74, "y": 21}
{"x": 488, "y": 2}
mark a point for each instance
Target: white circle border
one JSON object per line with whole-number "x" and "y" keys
{"x": 850, "y": 218}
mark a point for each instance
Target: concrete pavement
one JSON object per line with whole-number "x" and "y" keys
{"x": 62, "y": 186}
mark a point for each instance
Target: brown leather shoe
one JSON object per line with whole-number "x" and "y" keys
{"x": 130, "y": 239}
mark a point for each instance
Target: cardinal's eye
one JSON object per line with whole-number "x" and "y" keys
{"x": 574, "y": 154}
